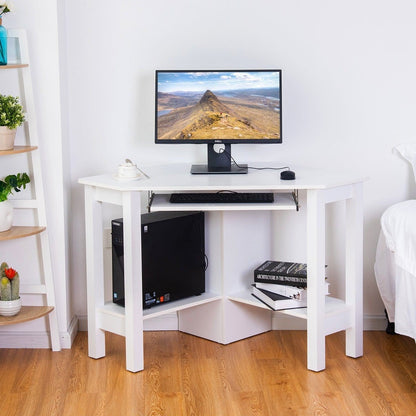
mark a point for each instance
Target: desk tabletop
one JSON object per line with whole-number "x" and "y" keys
{"x": 177, "y": 177}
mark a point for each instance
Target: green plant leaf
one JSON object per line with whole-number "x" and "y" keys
{"x": 13, "y": 183}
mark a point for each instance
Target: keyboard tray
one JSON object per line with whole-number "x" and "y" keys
{"x": 222, "y": 197}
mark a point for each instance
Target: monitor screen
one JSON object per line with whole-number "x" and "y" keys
{"x": 241, "y": 106}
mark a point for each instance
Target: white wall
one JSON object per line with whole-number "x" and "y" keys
{"x": 348, "y": 95}
{"x": 41, "y": 23}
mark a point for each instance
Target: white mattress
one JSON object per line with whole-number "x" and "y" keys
{"x": 395, "y": 266}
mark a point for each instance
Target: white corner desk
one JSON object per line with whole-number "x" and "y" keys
{"x": 239, "y": 237}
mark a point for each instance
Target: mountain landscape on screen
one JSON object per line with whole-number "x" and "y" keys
{"x": 234, "y": 114}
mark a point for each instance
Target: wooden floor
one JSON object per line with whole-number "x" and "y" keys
{"x": 186, "y": 375}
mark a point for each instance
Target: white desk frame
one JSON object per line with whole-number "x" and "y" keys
{"x": 221, "y": 314}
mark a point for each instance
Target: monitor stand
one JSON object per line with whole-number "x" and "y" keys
{"x": 218, "y": 163}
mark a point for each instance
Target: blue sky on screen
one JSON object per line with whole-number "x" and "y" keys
{"x": 216, "y": 81}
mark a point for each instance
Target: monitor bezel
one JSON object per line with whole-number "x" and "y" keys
{"x": 219, "y": 141}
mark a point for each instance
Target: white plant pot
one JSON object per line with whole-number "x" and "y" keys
{"x": 10, "y": 307}
{"x": 7, "y": 137}
{"x": 6, "y": 215}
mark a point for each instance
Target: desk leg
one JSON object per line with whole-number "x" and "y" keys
{"x": 316, "y": 279}
{"x": 95, "y": 271}
{"x": 133, "y": 281}
{"x": 354, "y": 271}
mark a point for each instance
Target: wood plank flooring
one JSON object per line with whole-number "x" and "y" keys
{"x": 264, "y": 375}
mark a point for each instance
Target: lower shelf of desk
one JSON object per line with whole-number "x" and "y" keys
{"x": 111, "y": 316}
{"x": 337, "y": 313}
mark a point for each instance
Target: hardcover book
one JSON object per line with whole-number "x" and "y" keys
{"x": 286, "y": 290}
{"x": 281, "y": 272}
{"x": 282, "y": 268}
{"x": 281, "y": 279}
{"x": 275, "y": 301}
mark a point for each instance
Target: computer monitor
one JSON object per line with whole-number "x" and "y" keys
{"x": 218, "y": 107}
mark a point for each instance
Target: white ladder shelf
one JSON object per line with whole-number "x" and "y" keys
{"x": 46, "y": 289}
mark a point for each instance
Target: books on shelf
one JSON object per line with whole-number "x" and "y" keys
{"x": 281, "y": 272}
{"x": 277, "y": 302}
{"x": 279, "y": 297}
{"x": 288, "y": 291}
{"x": 282, "y": 285}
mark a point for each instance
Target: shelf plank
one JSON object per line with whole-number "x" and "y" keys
{"x": 112, "y": 316}
{"x": 179, "y": 305}
{"x": 333, "y": 307}
{"x": 27, "y": 313}
{"x": 18, "y": 149}
{"x": 337, "y": 312}
{"x": 247, "y": 298}
{"x": 20, "y": 232}
{"x": 14, "y": 66}
{"x": 111, "y": 308}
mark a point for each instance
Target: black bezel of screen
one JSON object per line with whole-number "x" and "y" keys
{"x": 208, "y": 141}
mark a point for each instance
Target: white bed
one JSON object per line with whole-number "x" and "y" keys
{"x": 395, "y": 265}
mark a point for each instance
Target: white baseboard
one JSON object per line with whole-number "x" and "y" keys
{"x": 281, "y": 321}
{"x": 38, "y": 339}
{"x": 375, "y": 322}
{"x": 82, "y": 323}
{"x": 68, "y": 339}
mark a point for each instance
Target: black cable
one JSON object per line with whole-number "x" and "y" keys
{"x": 251, "y": 167}
{"x": 206, "y": 262}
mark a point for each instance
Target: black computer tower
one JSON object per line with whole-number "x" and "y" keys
{"x": 173, "y": 257}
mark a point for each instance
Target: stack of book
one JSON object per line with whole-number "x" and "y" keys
{"x": 281, "y": 285}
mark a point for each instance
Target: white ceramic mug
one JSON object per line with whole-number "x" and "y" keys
{"x": 127, "y": 170}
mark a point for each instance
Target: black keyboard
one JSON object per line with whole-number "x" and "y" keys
{"x": 222, "y": 197}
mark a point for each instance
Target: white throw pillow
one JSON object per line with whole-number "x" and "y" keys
{"x": 408, "y": 151}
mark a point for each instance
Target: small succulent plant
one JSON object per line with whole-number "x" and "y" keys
{"x": 9, "y": 283}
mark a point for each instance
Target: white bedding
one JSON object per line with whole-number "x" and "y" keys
{"x": 395, "y": 266}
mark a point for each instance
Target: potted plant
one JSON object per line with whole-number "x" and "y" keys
{"x": 9, "y": 184}
{"x": 11, "y": 117}
{"x": 10, "y": 302}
